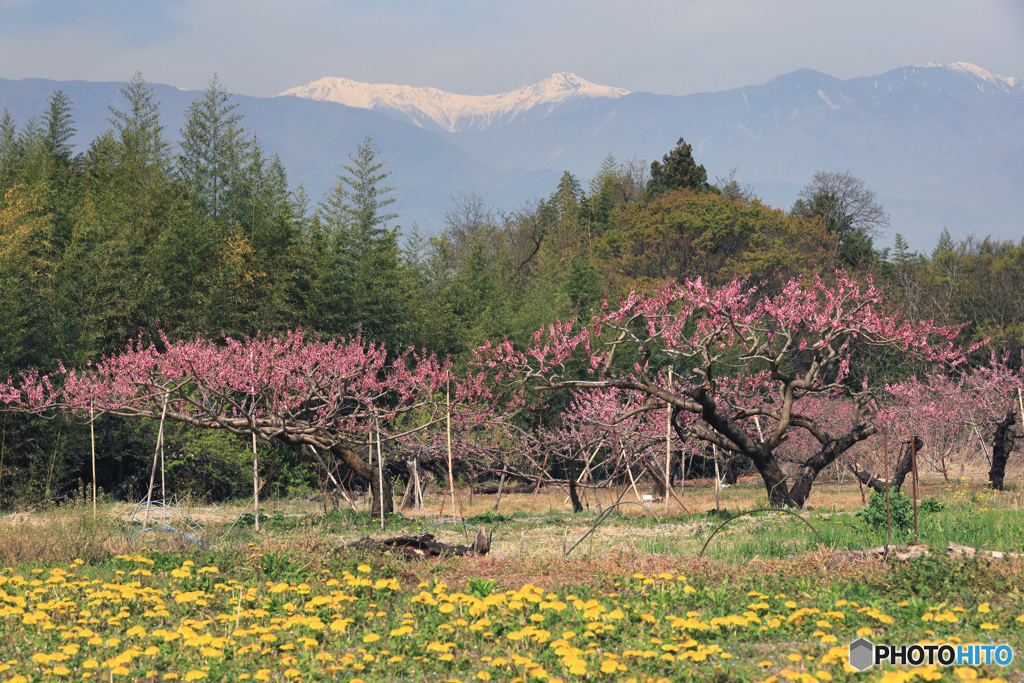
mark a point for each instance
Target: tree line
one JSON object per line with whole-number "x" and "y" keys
{"x": 136, "y": 237}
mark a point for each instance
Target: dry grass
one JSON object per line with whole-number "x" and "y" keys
{"x": 531, "y": 528}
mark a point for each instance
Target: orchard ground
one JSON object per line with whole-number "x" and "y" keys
{"x": 767, "y": 601}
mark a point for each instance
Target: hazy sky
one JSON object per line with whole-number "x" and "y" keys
{"x": 261, "y": 47}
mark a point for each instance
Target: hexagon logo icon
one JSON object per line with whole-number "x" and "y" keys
{"x": 862, "y": 654}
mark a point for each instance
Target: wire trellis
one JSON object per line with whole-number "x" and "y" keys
{"x": 157, "y": 516}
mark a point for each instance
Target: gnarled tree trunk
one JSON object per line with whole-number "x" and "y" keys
{"x": 1002, "y": 444}
{"x": 903, "y": 468}
{"x": 823, "y": 458}
{"x": 347, "y": 455}
{"x": 365, "y": 471}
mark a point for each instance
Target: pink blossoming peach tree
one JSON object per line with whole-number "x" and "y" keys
{"x": 332, "y": 395}
{"x": 745, "y": 362}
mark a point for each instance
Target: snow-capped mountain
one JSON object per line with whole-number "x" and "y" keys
{"x": 452, "y": 112}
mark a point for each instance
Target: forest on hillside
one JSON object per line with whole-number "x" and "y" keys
{"x": 136, "y": 239}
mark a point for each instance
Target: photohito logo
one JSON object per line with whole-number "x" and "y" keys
{"x": 864, "y": 654}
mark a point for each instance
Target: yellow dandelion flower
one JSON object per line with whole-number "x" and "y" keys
{"x": 195, "y": 675}
{"x": 371, "y": 638}
{"x": 364, "y": 568}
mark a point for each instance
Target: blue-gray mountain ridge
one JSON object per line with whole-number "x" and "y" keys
{"x": 943, "y": 146}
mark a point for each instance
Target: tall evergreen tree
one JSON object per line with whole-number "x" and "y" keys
{"x": 677, "y": 170}
{"x": 60, "y": 127}
{"x": 365, "y": 277}
{"x": 142, "y": 151}
{"x": 215, "y": 150}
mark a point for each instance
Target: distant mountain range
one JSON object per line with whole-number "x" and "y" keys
{"x": 456, "y": 113}
{"x": 943, "y": 146}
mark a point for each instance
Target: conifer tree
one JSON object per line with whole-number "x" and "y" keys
{"x": 215, "y": 150}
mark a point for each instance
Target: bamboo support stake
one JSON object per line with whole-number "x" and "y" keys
{"x": 152, "y": 471}
{"x": 163, "y": 487}
{"x": 163, "y": 474}
{"x": 913, "y": 462}
{"x": 448, "y": 436}
{"x": 718, "y": 481}
{"x": 3, "y": 448}
{"x": 255, "y": 483}
{"x": 92, "y": 442}
{"x": 418, "y": 499}
{"x": 501, "y": 485}
{"x": 540, "y": 479}
{"x": 984, "y": 446}
{"x": 380, "y": 474}
{"x": 1020, "y": 402}
{"x": 632, "y": 481}
{"x": 324, "y": 465}
{"x": 668, "y": 443}
{"x": 682, "y": 479}
{"x": 888, "y": 510}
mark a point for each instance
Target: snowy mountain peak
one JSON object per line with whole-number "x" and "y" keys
{"x": 981, "y": 74}
{"x": 454, "y": 112}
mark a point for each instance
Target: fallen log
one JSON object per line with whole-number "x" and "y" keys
{"x": 424, "y": 545}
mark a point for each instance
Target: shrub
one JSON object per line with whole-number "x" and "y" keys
{"x": 901, "y": 512}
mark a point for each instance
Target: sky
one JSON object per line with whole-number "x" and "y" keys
{"x": 478, "y": 47}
